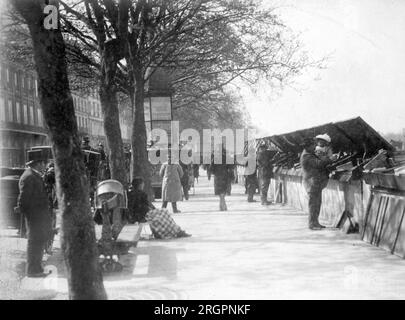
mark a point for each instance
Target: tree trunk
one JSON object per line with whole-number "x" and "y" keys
{"x": 140, "y": 162}
{"x": 109, "y": 105}
{"x": 78, "y": 234}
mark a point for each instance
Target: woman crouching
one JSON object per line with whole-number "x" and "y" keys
{"x": 141, "y": 210}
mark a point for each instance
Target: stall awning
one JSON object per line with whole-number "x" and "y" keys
{"x": 354, "y": 135}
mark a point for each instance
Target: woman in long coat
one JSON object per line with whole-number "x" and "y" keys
{"x": 171, "y": 184}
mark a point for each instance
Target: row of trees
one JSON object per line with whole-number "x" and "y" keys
{"x": 205, "y": 45}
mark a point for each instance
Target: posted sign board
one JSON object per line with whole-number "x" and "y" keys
{"x": 161, "y": 108}
{"x": 158, "y": 114}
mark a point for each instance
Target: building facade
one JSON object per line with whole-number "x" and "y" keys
{"x": 21, "y": 120}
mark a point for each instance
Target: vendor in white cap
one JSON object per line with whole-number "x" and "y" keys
{"x": 323, "y": 148}
{"x": 315, "y": 179}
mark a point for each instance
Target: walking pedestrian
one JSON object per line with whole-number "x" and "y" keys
{"x": 196, "y": 171}
{"x": 223, "y": 174}
{"x": 171, "y": 184}
{"x": 251, "y": 185}
{"x": 33, "y": 204}
{"x": 207, "y": 167}
{"x": 315, "y": 179}
{"x": 265, "y": 172}
{"x": 185, "y": 179}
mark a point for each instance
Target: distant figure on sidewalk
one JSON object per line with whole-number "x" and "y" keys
{"x": 33, "y": 203}
{"x": 185, "y": 179}
{"x": 207, "y": 167}
{"x": 196, "y": 171}
{"x": 251, "y": 184}
{"x": 231, "y": 180}
{"x": 223, "y": 175}
{"x": 315, "y": 179}
{"x": 171, "y": 184}
{"x": 265, "y": 172}
{"x": 141, "y": 210}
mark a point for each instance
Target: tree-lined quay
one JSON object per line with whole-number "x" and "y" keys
{"x": 111, "y": 109}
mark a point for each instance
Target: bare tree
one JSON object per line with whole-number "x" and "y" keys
{"x": 96, "y": 33}
{"x": 78, "y": 234}
{"x": 206, "y": 45}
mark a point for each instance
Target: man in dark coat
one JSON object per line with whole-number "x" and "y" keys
{"x": 185, "y": 179}
{"x": 223, "y": 175}
{"x": 265, "y": 171}
{"x": 34, "y": 205}
{"x": 315, "y": 179}
{"x": 251, "y": 185}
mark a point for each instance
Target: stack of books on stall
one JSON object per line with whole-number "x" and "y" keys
{"x": 386, "y": 170}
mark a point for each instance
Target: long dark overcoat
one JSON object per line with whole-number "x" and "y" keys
{"x": 34, "y": 204}
{"x": 223, "y": 175}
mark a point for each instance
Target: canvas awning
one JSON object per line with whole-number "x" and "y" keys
{"x": 354, "y": 135}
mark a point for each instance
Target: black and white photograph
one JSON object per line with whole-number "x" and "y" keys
{"x": 202, "y": 155}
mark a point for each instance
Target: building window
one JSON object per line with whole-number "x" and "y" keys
{"x": 39, "y": 114}
{"x": 25, "y": 114}
{"x": 8, "y": 75}
{"x": 10, "y": 111}
{"x": 2, "y": 109}
{"x": 32, "y": 119}
{"x": 36, "y": 88}
{"x": 16, "y": 79}
{"x": 18, "y": 111}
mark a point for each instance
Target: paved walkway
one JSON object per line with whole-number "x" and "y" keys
{"x": 249, "y": 252}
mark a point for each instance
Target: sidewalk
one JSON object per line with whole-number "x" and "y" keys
{"x": 248, "y": 252}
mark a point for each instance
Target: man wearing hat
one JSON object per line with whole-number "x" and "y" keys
{"x": 315, "y": 179}
{"x": 323, "y": 148}
{"x": 33, "y": 204}
{"x": 265, "y": 171}
{"x": 86, "y": 143}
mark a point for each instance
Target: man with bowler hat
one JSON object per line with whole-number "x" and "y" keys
{"x": 34, "y": 205}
